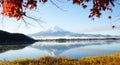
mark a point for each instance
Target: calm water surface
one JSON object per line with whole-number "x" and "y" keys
{"x": 74, "y": 49}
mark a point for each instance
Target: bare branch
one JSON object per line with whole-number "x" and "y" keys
{"x": 36, "y": 20}
{"x": 26, "y": 23}
{"x": 61, "y": 1}
{"x": 19, "y": 25}
{"x": 57, "y": 5}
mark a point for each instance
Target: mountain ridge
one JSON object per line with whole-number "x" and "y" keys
{"x": 56, "y": 31}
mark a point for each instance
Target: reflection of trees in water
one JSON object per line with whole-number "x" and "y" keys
{"x": 78, "y": 40}
{"x": 56, "y": 48}
{"x": 4, "y": 48}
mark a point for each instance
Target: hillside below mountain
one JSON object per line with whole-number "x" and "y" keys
{"x": 13, "y": 38}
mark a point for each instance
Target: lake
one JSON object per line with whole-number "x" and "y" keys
{"x": 75, "y": 49}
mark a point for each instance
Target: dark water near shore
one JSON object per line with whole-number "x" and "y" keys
{"x": 76, "y": 49}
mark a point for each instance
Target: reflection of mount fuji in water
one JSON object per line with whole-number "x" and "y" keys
{"x": 56, "y": 49}
{"x": 59, "y": 32}
{"x": 70, "y": 49}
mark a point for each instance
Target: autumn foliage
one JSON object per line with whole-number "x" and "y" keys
{"x": 98, "y": 6}
{"x": 17, "y": 8}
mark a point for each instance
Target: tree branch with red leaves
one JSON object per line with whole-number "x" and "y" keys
{"x": 17, "y": 8}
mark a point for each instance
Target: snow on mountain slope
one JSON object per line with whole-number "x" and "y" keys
{"x": 57, "y": 32}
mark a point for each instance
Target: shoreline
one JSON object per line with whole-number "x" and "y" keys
{"x": 76, "y": 39}
{"x": 59, "y": 40}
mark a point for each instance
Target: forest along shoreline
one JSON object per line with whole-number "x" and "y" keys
{"x": 78, "y": 39}
{"x": 7, "y": 38}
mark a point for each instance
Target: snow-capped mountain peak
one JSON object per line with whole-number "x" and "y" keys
{"x": 55, "y": 29}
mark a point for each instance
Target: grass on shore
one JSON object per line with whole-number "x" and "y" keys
{"x": 47, "y": 60}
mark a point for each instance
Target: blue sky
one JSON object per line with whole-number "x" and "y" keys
{"x": 74, "y": 19}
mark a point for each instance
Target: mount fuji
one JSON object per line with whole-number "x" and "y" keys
{"x": 56, "y": 31}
